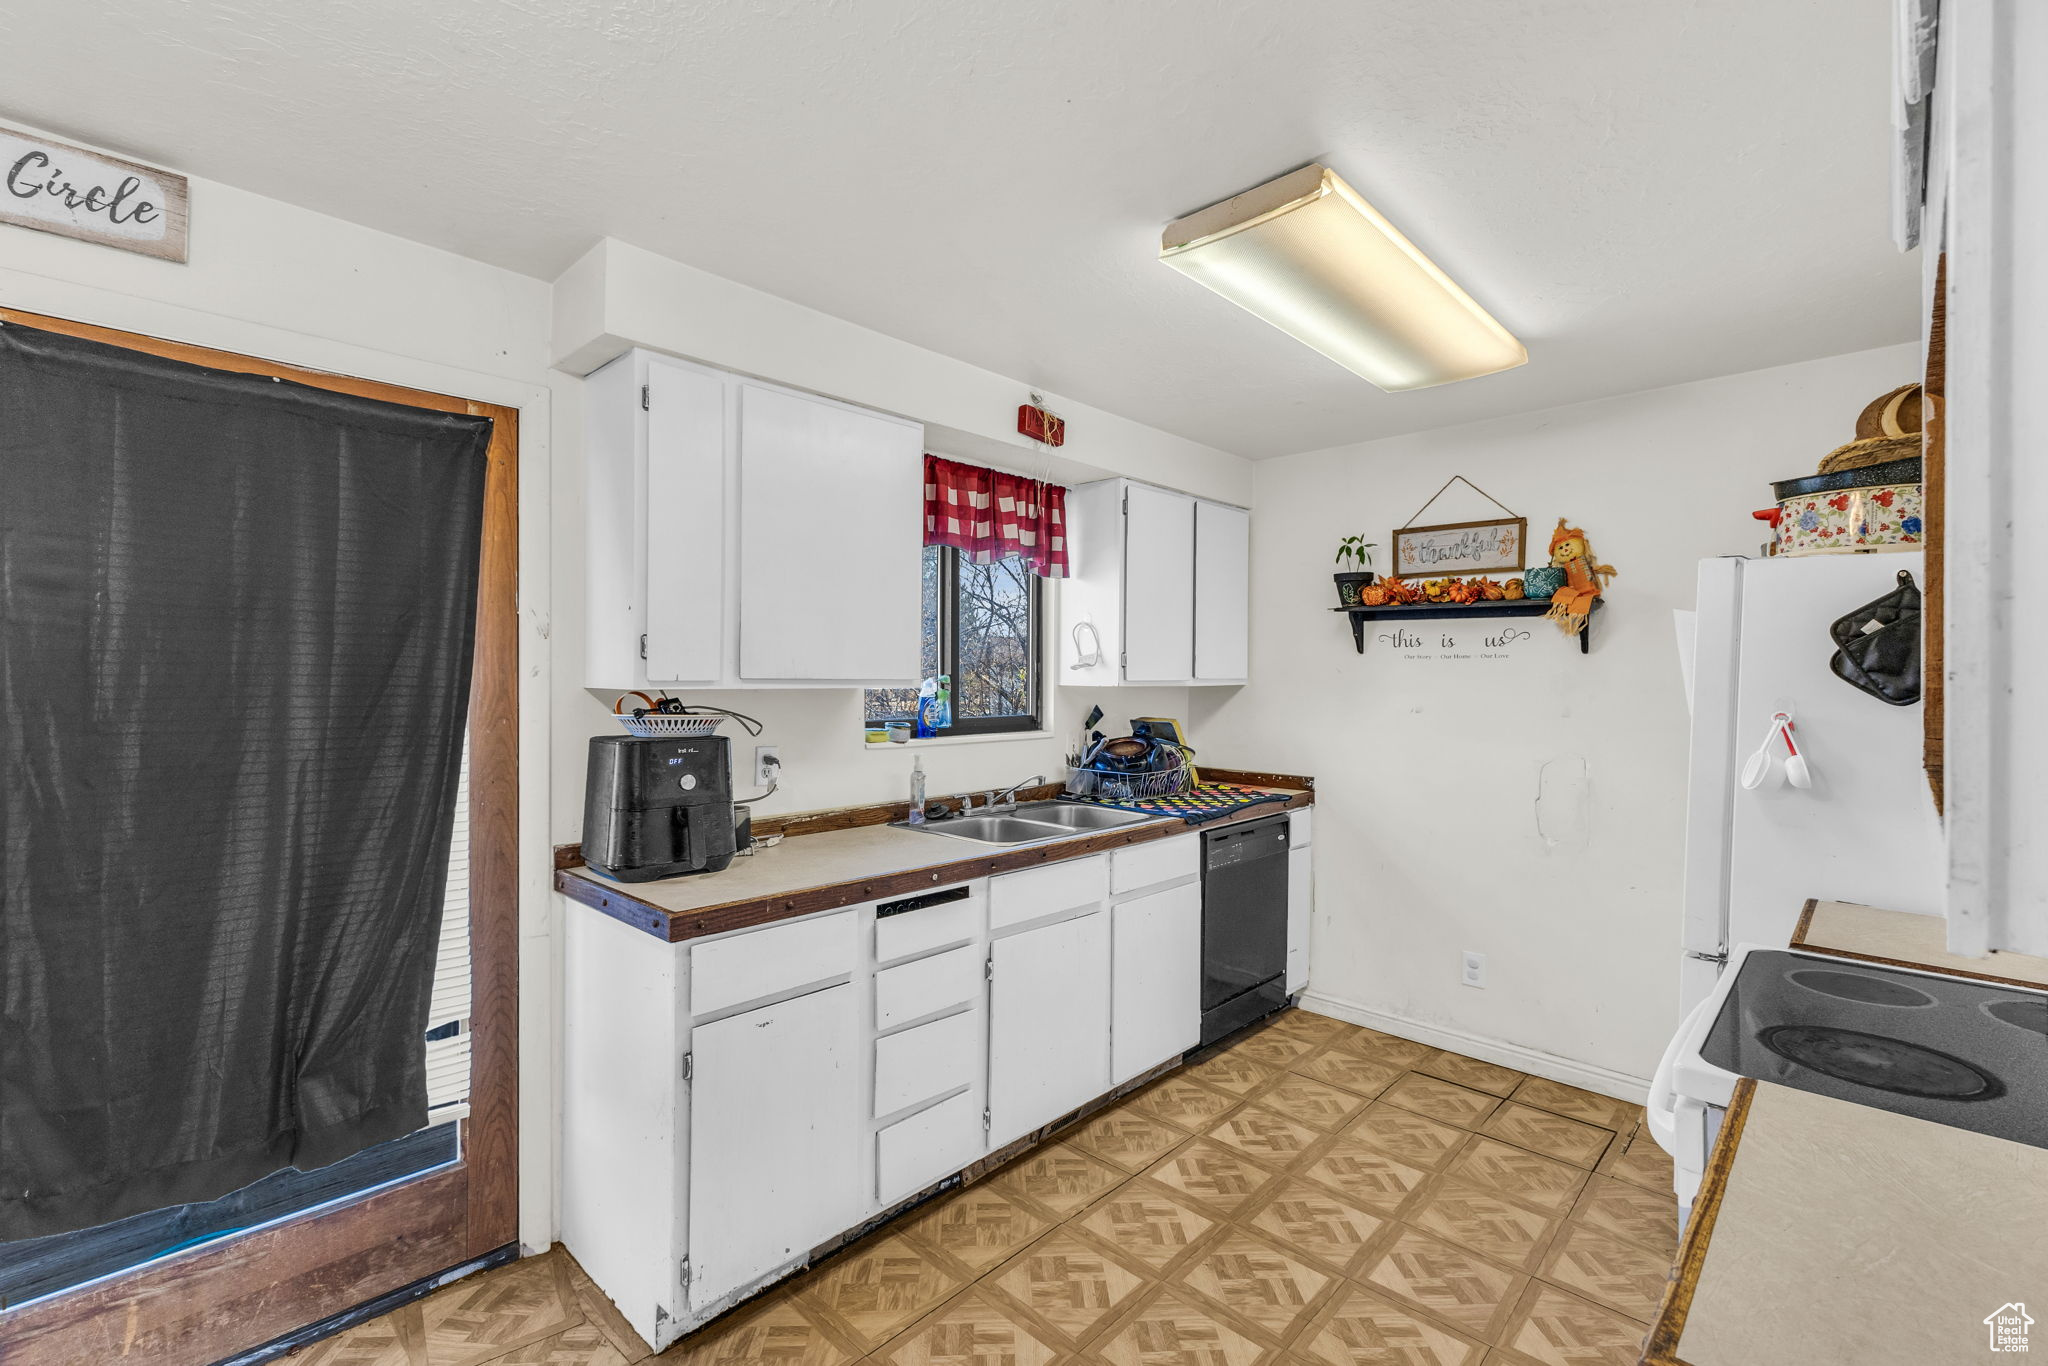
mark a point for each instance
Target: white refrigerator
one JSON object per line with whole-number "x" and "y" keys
{"x": 1865, "y": 831}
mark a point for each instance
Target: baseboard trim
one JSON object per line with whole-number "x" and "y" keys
{"x": 1534, "y": 1061}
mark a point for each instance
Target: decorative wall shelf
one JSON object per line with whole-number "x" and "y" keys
{"x": 1432, "y": 611}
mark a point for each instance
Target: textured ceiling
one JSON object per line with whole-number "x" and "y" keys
{"x": 1644, "y": 192}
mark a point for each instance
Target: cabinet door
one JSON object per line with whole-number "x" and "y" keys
{"x": 777, "y": 1120}
{"x": 1222, "y": 593}
{"x": 1157, "y": 991}
{"x": 831, "y": 541}
{"x": 1300, "y": 902}
{"x": 685, "y": 513}
{"x": 1048, "y": 1045}
{"x": 1159, "y": 586}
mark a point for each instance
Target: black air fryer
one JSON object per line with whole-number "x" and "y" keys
{"x": 657, "y": 808}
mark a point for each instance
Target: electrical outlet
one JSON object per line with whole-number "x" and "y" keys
{"x": 767, "y": 764}
{"x": 1472, "y": 971}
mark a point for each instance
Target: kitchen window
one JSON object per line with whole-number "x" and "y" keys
{"x": 981, "y": 626}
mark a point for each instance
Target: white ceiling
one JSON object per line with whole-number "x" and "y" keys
{"x": 1645, "y": 192}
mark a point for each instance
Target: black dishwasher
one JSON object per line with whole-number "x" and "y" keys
{"x": 1244, "y": 924}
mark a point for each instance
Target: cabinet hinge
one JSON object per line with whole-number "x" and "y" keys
{"x": 643, "y": 647}
{"x": 689, "y": 1066}
{"x": 988, "y": 969}
{"x": 986, "y": 1119}
{"x": 683, "y": 1274}
{"x": 646, "y": 398}
{"x": 1123, "y": 660}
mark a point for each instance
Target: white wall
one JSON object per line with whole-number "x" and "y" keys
{"x": 1428, "y": 771}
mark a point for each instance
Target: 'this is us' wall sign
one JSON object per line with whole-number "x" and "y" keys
{"x": 55, "y": 187}
{"x": 1494, "y": 639}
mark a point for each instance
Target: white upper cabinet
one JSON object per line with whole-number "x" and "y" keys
{"x": 686, "y": 543}
{"x": 1158, "y": 587}
{"x": 743, "y": 535}
{"x": 1222, "y": 593}
{"x": 1159, "y": 590}
{"x": 831, "y": 540}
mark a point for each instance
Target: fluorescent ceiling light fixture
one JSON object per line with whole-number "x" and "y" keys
{"x": 1311, "y": 257}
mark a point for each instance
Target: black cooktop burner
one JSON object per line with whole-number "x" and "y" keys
{"x": 1860, "y": 986}
{"x": 2026, "y": 1014}
{"x": 1905, "y": 1069}
{"x": 1953, "y": 1050}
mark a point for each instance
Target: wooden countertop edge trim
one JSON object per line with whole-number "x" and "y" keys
{"x": 618, "y": 902}
{"x": 1245, "y": 777}
{"x": 1805, "y": 921}
{"x": 1799, "y": 941}
{"x": 1661, "y": 1347}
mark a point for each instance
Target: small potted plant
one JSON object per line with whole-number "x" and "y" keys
{"x": 1357, "y": 551}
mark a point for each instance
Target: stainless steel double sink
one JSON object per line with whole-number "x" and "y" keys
{"x": 1030, "y": 823}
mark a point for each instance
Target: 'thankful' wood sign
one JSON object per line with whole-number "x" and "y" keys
{"x": 55, "y": 187}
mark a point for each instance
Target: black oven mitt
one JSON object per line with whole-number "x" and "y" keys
{"x": 1879, "y": 645}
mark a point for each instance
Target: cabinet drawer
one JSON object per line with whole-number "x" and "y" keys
{"x": 747, "y": 967}
{"x": 926, "y": 986}
{"x": 1014, "y": 898}
{"x": 927, "y": 1061}
{"x": 905, "y": 927}
{"x": 1148, "y": 865}
{"x": 913, "y": 1153}
{"x": 1298, "y": 827}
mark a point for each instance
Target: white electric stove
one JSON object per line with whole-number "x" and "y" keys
{"x": 1952, "y": 1050}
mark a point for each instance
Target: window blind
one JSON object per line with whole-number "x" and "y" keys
{"x": 448, "y": 1022}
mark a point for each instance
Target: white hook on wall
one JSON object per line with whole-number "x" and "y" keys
{"x": 1086, "y": 657}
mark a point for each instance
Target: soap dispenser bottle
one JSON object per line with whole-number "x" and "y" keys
{"x": 917, "y": 790}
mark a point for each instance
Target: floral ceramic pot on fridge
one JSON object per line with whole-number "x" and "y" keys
{"x": 1849, "y": 512}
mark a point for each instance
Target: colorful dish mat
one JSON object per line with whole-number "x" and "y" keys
{"x": 1206, "y": 803}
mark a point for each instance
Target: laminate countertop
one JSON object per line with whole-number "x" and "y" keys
{"x": 817, "y": 872}
{"x": 1905, "y": 940}
{"x": 1829, "y": 1232}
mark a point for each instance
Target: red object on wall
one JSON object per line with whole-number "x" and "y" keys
{"x": 1040, "y": 425}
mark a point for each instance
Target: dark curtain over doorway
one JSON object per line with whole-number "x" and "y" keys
{"x": 236, "y": 627}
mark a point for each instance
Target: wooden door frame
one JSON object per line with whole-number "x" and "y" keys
{"x": 225, "y": 1298}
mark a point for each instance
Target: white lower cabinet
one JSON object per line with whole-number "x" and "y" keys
{"x": 777, "y": 1120}
{"x": 927, "y": 1061}
{"x": 1300, "y": 902}
{"x": 1157, "y": 981}
{"x": 927, "y": 1147}
{"x": 732, "y": 1103}
{"x": 1048, "y": 1027}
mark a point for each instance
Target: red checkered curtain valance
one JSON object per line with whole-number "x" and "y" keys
{"x": 988, "y": 515}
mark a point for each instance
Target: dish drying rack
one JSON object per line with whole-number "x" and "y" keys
{"x": 1106, "y": 782}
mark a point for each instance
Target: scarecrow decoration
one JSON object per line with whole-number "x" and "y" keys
{"x": 1583, "y": 578}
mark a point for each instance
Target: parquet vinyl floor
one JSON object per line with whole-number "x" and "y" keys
{"x": 1314, "y": 1194}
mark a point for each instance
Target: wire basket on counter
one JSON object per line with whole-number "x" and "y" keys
{"x": 1167, "y": 774}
